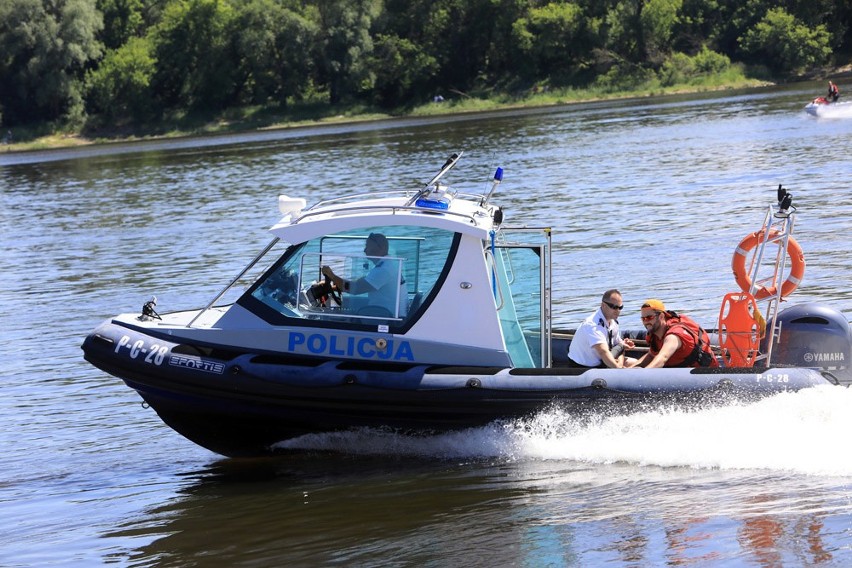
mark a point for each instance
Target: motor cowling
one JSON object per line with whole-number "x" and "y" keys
{"x": 813, "y": 335}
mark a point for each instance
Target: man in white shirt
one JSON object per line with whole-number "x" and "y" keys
{"x": 594, "y": 340}
{"x": 383, "y": 284}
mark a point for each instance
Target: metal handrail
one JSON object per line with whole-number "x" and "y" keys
{"x": 236, "y": 278}
{"x": 344, "y": 198}
{"x": 392, "y": 208}
{"x": 498, "y": 290}
{"x": 783, "y": 227}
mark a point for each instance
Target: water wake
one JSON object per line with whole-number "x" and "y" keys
{"x": 797, "y": 432}
{"x": 835, "y": 111}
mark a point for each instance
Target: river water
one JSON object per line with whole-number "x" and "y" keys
{"x": 649, "y": 195}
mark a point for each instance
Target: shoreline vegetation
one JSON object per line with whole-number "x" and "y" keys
{"x": 264, "y": 118}
{"x": 89, "y": 72}
{"x": 258, "y": 118}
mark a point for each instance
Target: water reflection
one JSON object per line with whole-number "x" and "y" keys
{"x": 310, "y": 509}
{"x": 319, "y": 510}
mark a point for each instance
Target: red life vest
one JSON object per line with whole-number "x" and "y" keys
{"x": 694, "y": 348}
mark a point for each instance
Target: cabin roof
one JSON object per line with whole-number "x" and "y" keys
{"x": 464, "y": 215}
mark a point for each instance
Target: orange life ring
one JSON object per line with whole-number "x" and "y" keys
{"x": 797, "y": 266}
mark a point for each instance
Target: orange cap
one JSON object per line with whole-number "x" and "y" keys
{"x": 655, "y": 305}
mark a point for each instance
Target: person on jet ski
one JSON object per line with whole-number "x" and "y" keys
{"x": 833, "y": 93}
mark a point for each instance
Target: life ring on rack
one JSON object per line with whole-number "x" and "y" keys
{"x": 797, "y": 266}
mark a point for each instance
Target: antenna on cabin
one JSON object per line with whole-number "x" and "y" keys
{"x": 448, "y": 165}
{"x": 427, "y": 189}
{"x": 498, "y": 177}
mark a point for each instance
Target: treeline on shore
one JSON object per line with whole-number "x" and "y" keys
{"x": 78, "y": 64}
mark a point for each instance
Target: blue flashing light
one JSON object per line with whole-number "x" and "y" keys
{"x": 432, "y": 203}
{"x": 498, "y": 175}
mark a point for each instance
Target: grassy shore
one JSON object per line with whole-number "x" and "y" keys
{"x": 264, "y": 118}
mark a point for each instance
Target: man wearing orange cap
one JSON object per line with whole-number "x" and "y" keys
{"x": 673, "y": 340}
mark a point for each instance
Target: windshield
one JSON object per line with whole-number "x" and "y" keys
{"x": 378, "y": 276}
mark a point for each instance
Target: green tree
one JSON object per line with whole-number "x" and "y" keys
{"x": 45, "y": 46}
{"x": 470, "y": 41}
{"x": 658, "y": 20}
{"x": 784, "y": 44}
{"x": 623, "y": 30}
{"x": 347, "y": 45}
{"x": 552, "y": 37}
{"x": 434, "y": 27}
{"x": 123, "y": 19}
{"x": 196, "y": 63}
{"x": 681, "y": 68}
{"x": 641, "y": 31}
{"x": 480, "y": 35}
{"x": 402, "y": 70}
{"x": 276, "y": 48}
{"x": 120, "y": 87}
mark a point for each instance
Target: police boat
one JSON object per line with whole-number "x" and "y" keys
{"x": 460, "y": 335}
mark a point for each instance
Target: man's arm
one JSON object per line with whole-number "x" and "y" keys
{"x": 640, "y": 362}
{"x": 606, "y": 356}
{"x": 360, "y": 286}
{"x": 335, "y": 279}
{"x": 670, "y": 344}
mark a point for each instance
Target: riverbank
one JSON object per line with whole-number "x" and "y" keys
{"x": 247, "y": 119}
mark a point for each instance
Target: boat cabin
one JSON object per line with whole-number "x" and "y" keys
{"x": 456, "y": 288}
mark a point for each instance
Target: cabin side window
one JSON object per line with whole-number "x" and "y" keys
{"x": 387, "y": 273}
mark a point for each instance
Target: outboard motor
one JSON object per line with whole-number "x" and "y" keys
{"x": 816, "y": 336}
